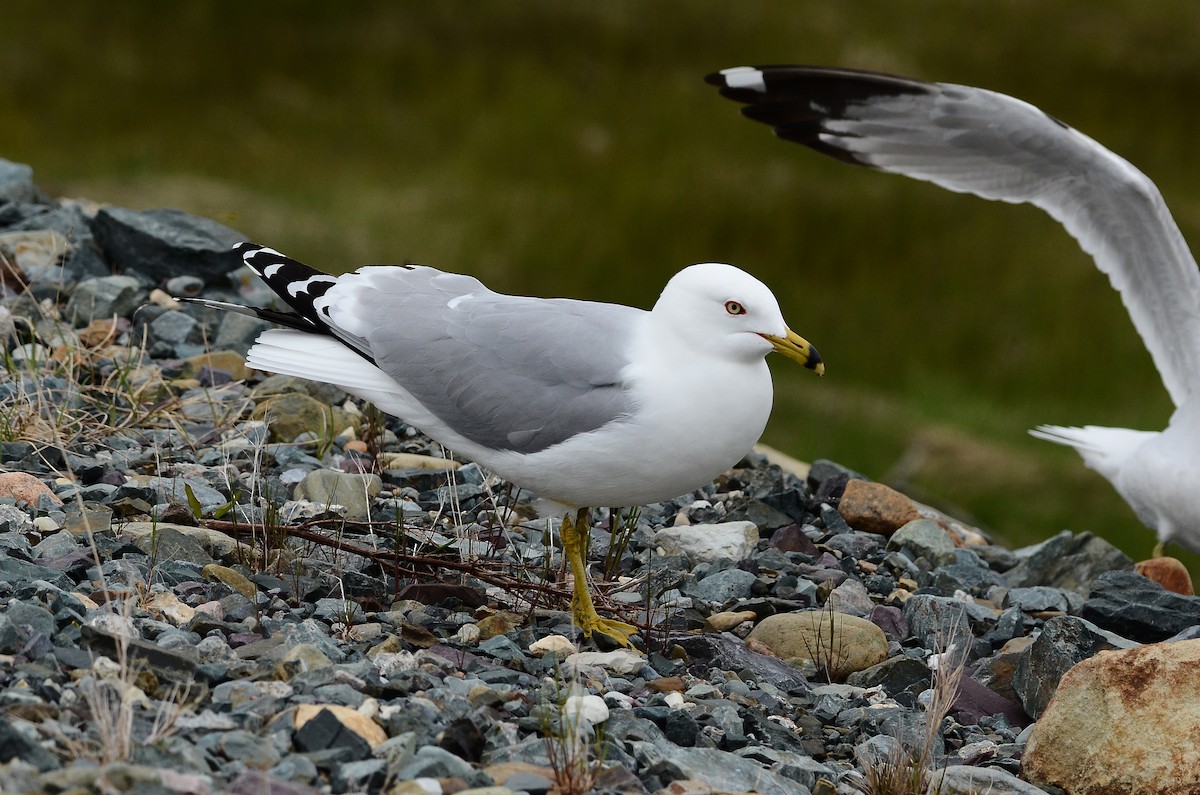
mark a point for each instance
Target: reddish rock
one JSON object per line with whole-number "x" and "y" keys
{"x": 875, "y": 508}
{"x": 1170, "y": 573}
{"x": 25, "y": 488}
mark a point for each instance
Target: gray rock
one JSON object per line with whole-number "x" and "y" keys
{"x": 850, "y": 597}
{"x": 16, "y": 183}
{"x": 21, "y": 622}
{"x": 1037, "y": 599}
{"x": 1067, "y": 561}
{"x": 175, "y": 328}
{"x": 167, "y": 543}
{"x": 432, "y": 762}
{"x": 720, "y": 770}
{"x": 174, "y": 491}
{"x": 1140, "y": 609}
{"x": 924, "y": 538}
{"x": 1063, "y": 642}
{"x": 186, "y": 286}
{"x": 940, "y": 623}
{"x": 723, "y": 586}
{"x": 103, "y": 297}
{"x": 856, "y": 544}
{"x": 83, "y": 258}
{"x": 971, "y": 780}
{"x": 160, "y": 244}
{"x": 238, "y": 332}
{"x": 247, "y": 748}
{"x": 709, "y": 542}
{"x": 352, "y": 491}
{"x": 365, "y": 776}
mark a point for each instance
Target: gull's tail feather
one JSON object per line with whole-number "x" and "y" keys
{"x": 317, "y": 357}
{"x": 1102, "y": 449}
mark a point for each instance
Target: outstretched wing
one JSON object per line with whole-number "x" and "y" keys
{"x": 971, "y": 140}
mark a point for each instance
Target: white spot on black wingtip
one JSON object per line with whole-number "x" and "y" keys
{"x": 744, "y": 77}
{"x": 306, "y": 286}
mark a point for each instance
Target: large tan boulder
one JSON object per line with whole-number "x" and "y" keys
{"x": 1122, "y": 722}
{"x": 835, "y": 643}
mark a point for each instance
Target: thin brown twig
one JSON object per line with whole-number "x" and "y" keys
{"x": 399, "y": 562}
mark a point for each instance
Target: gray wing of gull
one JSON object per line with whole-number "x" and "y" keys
{"x": 971, "y": 140}
{"x": 507, "y": 372}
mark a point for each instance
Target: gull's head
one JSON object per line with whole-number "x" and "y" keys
{"x": 720, "y": 308}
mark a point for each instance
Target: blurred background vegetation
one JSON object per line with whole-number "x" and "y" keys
{"x": 570, "y": 148}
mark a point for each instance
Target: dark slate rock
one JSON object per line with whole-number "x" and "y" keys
{"x": 824, "y": 471}
{"x": 1068, "y": 561}
{"x": 971, "y": 576}
{"x": 833, "y": 521}
{"x": 1138, "y": 608}
{"x": 324, "y": 732}
{"x": 763, "y": 516}
{"x": 160, "y": 244}
{"x": 1063, "y": 642}
{"x": 727, "y": 652}
{"x": 24, "y": 746}
{"x": 897, "y": 675}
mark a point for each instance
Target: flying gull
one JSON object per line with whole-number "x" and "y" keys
{"x": 971, "y": 140}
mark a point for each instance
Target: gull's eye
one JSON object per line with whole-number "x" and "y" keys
{"x": 734, "y": 308}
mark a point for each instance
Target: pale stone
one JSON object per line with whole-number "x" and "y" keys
{"x": 590, "y": 708}
{"x": 558, "y": 645}
{"x": 704, "y": 543}
{"x": 416, "y": 461}
{"x": 166, "y": 605}
{"x": 621, "y": 662}
{"x": 723, "y": 622}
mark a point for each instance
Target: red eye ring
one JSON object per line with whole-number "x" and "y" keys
{"x": 734, "y": 308}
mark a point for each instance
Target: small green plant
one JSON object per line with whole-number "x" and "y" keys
{"x": 621, "y": 529}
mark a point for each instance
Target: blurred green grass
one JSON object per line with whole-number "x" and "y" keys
{"x": 572, "y": 149}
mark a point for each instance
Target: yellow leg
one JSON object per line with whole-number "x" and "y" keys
{"x": 574, "y": 534}
{"x": 1159, "y": 548}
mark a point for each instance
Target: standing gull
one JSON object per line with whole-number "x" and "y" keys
{"x": 971, "y": 140}
{"x": 583, "y": 403}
